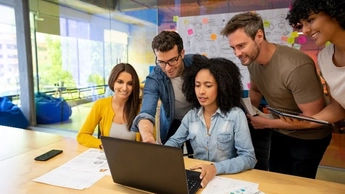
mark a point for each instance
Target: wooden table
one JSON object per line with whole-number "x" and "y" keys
{"x": 17, "y": 141}
{"x": 17, "y": 174}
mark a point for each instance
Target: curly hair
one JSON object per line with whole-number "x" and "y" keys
{"x": 227, "y": 76}
{"x": 166, "y": 40}
{"x": 250, "y": 22}
{"x": 301, "y": 10}
{"x": 133, "y": 101}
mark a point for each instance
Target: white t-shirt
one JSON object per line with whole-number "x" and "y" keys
{"x": 333, "y": 75}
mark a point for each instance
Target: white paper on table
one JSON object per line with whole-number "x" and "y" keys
{"x": 69, "y": 178}
{"x": 79, "y": 173}
{"x": 221, "y": 185}
{"x": 92, "y": 160}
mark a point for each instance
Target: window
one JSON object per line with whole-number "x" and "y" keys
{"x": 41, "y": 48}
{"x": 11, "y": 46}
{"x": 12, "y": 56}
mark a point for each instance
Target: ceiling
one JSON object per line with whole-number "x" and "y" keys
{"x": 168, "y": 8}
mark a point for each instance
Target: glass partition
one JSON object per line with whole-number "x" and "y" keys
{"x": 76, "y": 43}
{"x": 9, "y": 73}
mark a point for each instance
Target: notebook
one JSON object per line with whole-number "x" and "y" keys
{"x": 252, "y": 110}
{"x": 150, "y": 167}
{"x": 296, "y": 115}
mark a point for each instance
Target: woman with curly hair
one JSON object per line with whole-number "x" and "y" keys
{"x": 322, "y": 21}
{"x": 216, "y": 127}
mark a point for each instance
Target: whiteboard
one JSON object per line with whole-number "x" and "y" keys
{"x": 201, "y": 34}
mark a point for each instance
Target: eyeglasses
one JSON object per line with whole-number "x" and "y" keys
{"x": 171, "y": 62}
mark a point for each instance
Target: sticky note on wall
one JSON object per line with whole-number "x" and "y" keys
{"x": 175, "y": 18}
{"x": 190, "y": 31}
{"x": 294, "y": 34}
{"x": 297, "y": 46}
{"x": 291, "y": 40}
{"x": 213, "y": 36}
{"x": 284, "y": 38}
{"x": 266, "y": 23}
{"x": 301, "y": 40}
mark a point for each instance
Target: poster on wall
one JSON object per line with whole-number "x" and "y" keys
{"x": 201, "y": 34}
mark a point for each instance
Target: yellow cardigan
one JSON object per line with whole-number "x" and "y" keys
{"x": 101, "y": 114}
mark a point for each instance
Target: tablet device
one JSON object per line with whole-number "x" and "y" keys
{"x": 296, "y": 115}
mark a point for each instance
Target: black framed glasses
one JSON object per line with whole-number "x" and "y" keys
{"x": 171, "y": 62}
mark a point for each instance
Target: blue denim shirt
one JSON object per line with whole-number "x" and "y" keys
{"x": 158, "y": 86}
{"x": 227, "y": 145}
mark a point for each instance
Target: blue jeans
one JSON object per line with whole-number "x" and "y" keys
{"x": 299, "y": 157}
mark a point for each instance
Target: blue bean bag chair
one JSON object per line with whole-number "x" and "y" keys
{"x": 11, "y": 115}
{"x": 50, "y": 109}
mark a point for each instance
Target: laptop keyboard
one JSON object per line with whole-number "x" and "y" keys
{"x": 192, "y": 184}
{"x": 193, "y": 181}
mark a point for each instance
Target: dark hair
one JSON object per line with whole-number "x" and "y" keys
{"x": 249, "y": 21}
{"x": 166, "y": 40}
{"x": 301, "y": 10}
{"x": 132, "y": 105}
{"x": 227, "y": 76}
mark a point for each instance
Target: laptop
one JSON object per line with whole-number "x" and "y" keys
{"x": 150, "y": 167}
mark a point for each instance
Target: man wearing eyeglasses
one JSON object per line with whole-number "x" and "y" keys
{"x": 165, "y": 84}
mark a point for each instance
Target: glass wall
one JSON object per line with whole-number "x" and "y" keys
{"x": 76, "y": 49}
{"x": 76, "y": 44}
{"x": 9, "y": 74}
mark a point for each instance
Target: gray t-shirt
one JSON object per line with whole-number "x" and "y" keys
{"x": 288, "y": 79}
{"x": 181, "y": 104}
{"x": 121, "y": 131}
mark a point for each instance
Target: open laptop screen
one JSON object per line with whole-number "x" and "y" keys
{"x": 145, "y": 166}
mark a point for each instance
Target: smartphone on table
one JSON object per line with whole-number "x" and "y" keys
{"x": 48, "y": 155}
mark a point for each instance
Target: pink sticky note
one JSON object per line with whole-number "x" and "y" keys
{"x": 204, "y": 20}
{"x": 190, "y": 31}
{"x": 301, "y": 39}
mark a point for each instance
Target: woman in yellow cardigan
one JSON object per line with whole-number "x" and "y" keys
{"x": 114, "y": 114}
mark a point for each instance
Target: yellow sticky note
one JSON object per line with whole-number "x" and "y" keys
{"x": 186, "y": 22}
{"x": 175, "y": 18}
{"x": 267, "y": 23}
{"x": 213, "y": 36}
{"x": 294, "y": 34}
{"x": 291, "y": 40}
